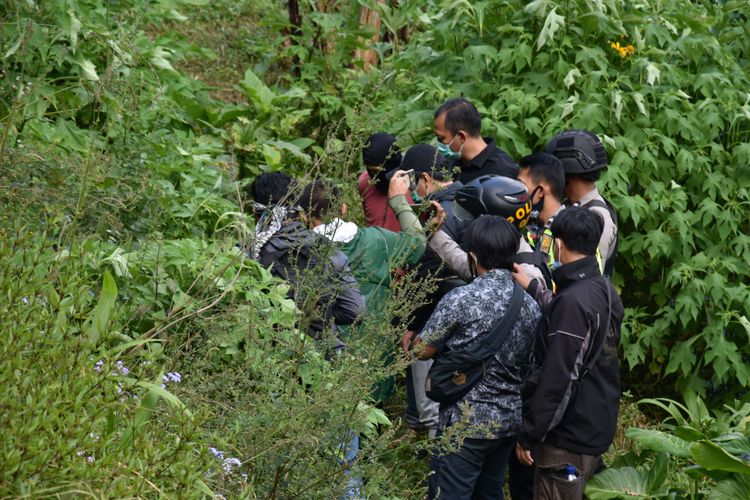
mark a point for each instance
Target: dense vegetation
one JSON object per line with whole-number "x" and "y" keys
{"x": 142, "y": 355}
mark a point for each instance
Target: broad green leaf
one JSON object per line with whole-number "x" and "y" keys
{"x": 13, "y": 48}
{"x": 660, "y": 441}
{"x": 735, "y": 487}
{"x": 159, "y": 59}
{"x": 570, "y": 78}
{"x": 97, "y": 323}
{"x": 537, "y": 7}
{"x": 569, "y": 105}
{"x": 257, "y": 91}
{"x": 657, "y": 473}
{"x": 681, "y": 357}
{"x": 272, "y": 155}
{"x": 162, "y": 393}
{"x": 553, "y": 23}
{"x": 623, "y": 482}
{"x": 639, "y": 102}
{"x": 203, "y": 488}
{"x": 653, "y": 74}
{"x": 745, "y": 324}
{"x": 712, "y": 456}
{"x": 88, "y": 70}
{"x": 617, "y": 99}
{"x": 72, "y": 28}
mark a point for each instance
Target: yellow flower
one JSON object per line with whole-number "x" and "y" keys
{"x": 623, "y": 51}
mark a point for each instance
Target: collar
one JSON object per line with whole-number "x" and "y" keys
{"x": 578, "y": 270}
{"x": 338, "y": 230}
{"x": 494, "y": 274}
{"x": 548, "y": 224}
{"x": 479, "y": 160}
{"x": 590, "y": 196}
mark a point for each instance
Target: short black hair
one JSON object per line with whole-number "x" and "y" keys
{"x": 271, "y": 188}
{"x": 579, "y": 228}
{"x": 319, "y": 198}
{"x": 548, "y": 168}
{"x": 461, "y": 114}
{"x": 493, "y": 240}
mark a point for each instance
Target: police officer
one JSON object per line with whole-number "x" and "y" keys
{"x": 584, "y": 157}
{"x": 491, "y": 195}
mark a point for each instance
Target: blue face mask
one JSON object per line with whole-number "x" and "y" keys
{"x": 415, "y": 197}
{"x": 445, "y": 150}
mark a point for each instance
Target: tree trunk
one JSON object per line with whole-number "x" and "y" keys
{"x": 369, "y": 17}
{"x": 294, "y": 33}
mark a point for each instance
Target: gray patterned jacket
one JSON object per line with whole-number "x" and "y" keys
{"x": 492, "y": 408}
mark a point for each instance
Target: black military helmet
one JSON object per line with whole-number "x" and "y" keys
{"x": 580, "y": 151}
{"x": 496, "y": 195}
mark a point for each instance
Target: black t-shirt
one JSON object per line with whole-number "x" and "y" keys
{"x": 491, "y": 161}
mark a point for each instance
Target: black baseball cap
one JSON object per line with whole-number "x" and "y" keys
{"x": 426, "y": 158}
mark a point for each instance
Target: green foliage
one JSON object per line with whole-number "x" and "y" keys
{"x": 122, "y": 138}
{"x": 711, "y": 449}
{"x": 676, "y": 128}
{"x": 80, "y": 408}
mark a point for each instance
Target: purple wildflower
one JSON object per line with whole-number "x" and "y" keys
{"x": 98, "y": 366}
{"x": 217, "y": 453}
{"x": 230, "y": 463}
{"x": 124, "y": 370}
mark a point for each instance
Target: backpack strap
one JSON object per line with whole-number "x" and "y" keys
{"x": 491, "y": 344}
{"x": 609, "y": 264}
{"x": 595, "y": 356}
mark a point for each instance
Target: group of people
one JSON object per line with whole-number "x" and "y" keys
{"x": 517, "y": 258}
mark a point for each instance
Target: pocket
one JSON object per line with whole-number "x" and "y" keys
{"x": 556, "y": 482}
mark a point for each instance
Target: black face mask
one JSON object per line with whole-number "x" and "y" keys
{"x": 536, "y": 208}
{"x": 381, "y": 183}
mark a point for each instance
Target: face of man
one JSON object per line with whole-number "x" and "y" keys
{"x": 442, "y": 134}
{"x": 531, "y": 186}
{"x": 523, "y": 176}
{"x": 424, "y": 185}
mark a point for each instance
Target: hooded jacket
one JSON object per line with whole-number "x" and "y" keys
{"x": 322, "y": 285}
{"x": 570, "y": 409}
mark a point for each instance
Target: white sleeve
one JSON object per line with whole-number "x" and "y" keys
{"x": 452, "y": 254}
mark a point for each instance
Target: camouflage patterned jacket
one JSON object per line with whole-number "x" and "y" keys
{"x": 492, "y": 408}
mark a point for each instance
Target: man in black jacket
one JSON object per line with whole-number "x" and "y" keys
{"x": 571, "y": 415}
{"x": 458, "y": 129}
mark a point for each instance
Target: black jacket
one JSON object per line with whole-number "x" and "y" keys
{"x": 431, "y": 266}
{"x": 318, "y": 273}
{"x": 490, "y": 161}
{"x": 568, "y": 409}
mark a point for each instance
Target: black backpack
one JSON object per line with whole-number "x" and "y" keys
{"x": 609, "y": 264}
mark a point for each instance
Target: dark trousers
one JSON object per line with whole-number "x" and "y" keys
{"x": 551, "y": 481}
{"x": 412, "y": 414}
{"x": 476, "y": 471}
{"x": 520, "y": 479}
